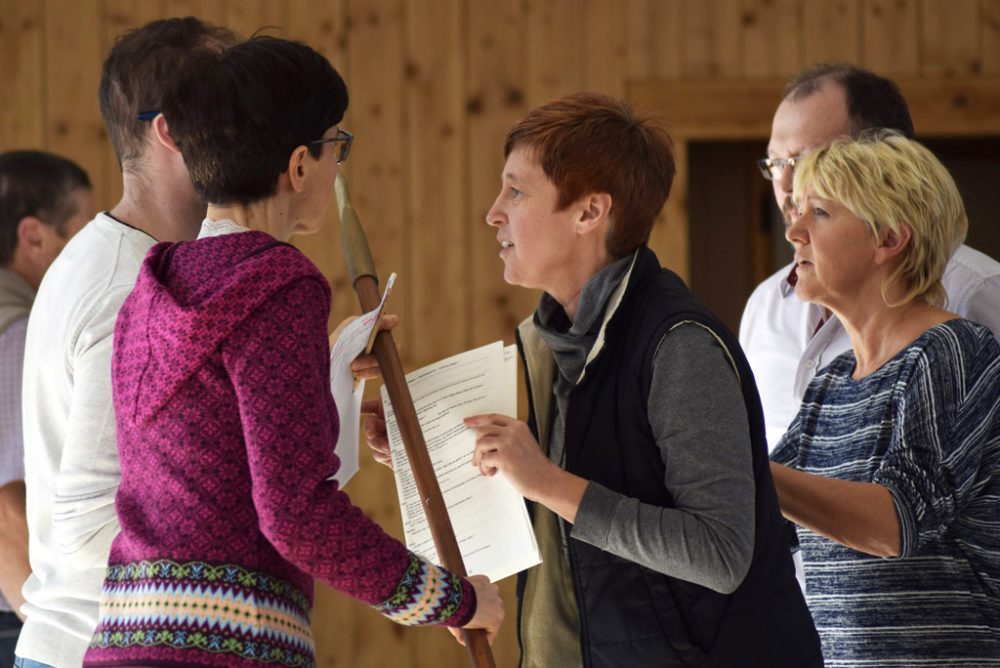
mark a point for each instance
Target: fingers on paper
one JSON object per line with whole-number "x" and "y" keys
{"x": 487, "y": 419}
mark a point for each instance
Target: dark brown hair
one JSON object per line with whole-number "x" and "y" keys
{"x": 141, "y": 67}
{"x": 238, "y": 115}
{"x": 872, "y": 101}
{"x": 589, "y": 143}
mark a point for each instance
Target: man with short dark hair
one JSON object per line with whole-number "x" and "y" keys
{"x": 71, "y": 460}
{"x": 786, "y": 339}
{"x": 44, "y": 200}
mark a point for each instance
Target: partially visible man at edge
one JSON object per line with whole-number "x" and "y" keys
{"x": 787, "y": 340}
{"x": 44, "y": 200}
{"x": 71, "y": 457}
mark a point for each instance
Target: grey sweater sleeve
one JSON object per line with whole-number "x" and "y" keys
{"x": 699, "y": 420}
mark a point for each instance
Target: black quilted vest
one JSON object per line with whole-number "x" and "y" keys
{"x": 632, "y": 616}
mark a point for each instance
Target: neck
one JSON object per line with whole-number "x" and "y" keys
{"x": 576, "y": 277}
{"x": 571, "y": 302}
{"x": 25, "y": 270}
{"x": 160, "y": 210}
{"x": 877, "y": 334}
{"x": 268, "y": 215}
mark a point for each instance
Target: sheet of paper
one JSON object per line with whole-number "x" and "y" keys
{"x": 356, "y": 338}
{"x": 488, "y": 516}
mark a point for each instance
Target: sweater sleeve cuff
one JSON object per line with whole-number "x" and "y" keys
{"x": 429, "y": 594}
{"x": 467, "y": 608}
{"x": 595, "y": 514}
{"x": 908, "y": 540}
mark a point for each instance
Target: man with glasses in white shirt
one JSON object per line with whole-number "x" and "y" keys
{"x": 786, "y": 339}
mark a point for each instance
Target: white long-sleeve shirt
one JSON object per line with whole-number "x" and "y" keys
{"x": 71, "y": 455}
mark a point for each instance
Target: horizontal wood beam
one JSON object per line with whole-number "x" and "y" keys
{"x": 742, "y": 109}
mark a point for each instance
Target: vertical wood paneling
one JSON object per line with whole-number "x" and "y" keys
{"x": 248, "y": 16}
{"x": 606, "y": 37}
{"x": 74, "y": 128}
{"x": 22, "y": 66}
{"x": 435, "y": 278}
{"x": 495, "y": 99}
{"x": 375, "y": 168}
{"x": 891, "y": 37}
{"x": 769, "y": 46}
{"x": 438, "y": 228}
{"x": 555, "y": 58}
{"x": 990, "y": 31}
{"x": 831, "y": 32}
{"x": 213, "y": 11}
{"x": 950, "y": 38}
{"x": 655, "y": 39}
{"x": 713, "y": 37}
{"x": 125, "y": 14}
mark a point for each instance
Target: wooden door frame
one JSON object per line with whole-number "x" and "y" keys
{"x": 742, "y": 110}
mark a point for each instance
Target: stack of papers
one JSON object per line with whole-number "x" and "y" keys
{"x": 487, "y": 514}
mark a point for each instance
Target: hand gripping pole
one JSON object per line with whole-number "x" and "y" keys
{"x": 362, "y": 269}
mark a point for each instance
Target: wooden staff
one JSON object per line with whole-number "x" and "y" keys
{"x": 362, "y": 268}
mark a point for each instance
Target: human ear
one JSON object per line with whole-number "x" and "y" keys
{"x": 29, "y": 234}
{"x": 161, "y": 130}
{"x": 298, "y": 169}
{"x": 595, "y": 209}
{"x": 892, "y": 243}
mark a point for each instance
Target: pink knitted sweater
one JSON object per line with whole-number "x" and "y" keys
{"x": 226, "y": 432}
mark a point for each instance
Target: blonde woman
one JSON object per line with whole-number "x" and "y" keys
{"x": 890, "y": 469}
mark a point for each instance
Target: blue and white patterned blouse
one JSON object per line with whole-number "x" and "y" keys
{"x": 926, "y": 425}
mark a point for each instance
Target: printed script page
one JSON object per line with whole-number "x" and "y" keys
{"x": 489, "y": 518}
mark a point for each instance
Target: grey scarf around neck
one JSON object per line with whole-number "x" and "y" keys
{"x": 570, "y": 342}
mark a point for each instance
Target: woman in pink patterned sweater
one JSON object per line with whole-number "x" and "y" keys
{"x": 226, "y": 425}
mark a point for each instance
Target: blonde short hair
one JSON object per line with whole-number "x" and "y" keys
{"x": 886, "y": 180}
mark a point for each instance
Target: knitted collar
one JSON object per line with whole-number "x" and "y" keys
{"x": 214, "y": 228}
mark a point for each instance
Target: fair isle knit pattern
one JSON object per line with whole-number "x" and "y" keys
{"x": 226, "y": 438}
{"x": 926, "y": 425}
{"x": 223, "y": 609}
{"x": 425, "y": 593}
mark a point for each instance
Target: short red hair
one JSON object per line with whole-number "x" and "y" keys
{"x": 588, "y": 143}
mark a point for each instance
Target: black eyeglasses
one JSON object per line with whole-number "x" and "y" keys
{"x": 147, "y": 115}
{"x": 772, "y": 168}
{"x": 343, "y": 136}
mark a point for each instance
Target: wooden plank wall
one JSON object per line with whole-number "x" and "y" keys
{"x": 434, "y": 85}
